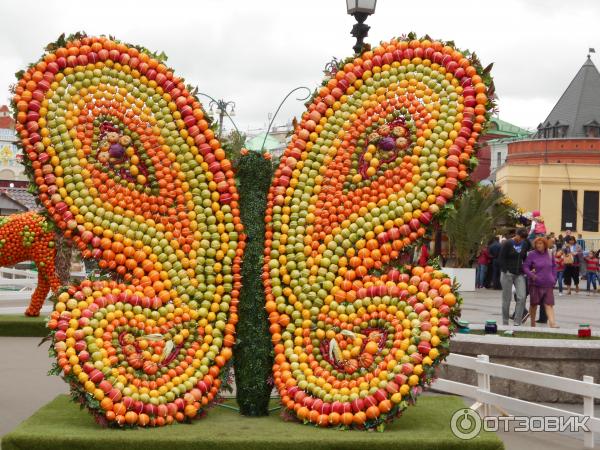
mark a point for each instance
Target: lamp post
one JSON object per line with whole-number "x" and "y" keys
{"x": 299, "y": 88}
{"x": 224, "y": 108}
{"x": 360, "y": 9}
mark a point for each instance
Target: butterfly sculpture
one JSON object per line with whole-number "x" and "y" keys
{"x": 381, "y": 149}
{"x": 127, "y": 166}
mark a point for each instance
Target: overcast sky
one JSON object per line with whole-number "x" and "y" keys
{"x": 254, "y": 52}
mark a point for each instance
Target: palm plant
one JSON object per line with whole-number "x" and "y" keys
{"x": 473, "y": 221}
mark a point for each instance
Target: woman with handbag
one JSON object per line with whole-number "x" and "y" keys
{"x": 572, "y": 261}
{"x": 540, "y": 268}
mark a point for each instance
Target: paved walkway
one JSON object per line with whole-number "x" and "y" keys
{"x": 26, "y": 388}
{"x": 25, "y": 385}
{"x": 479, "y": 306}
{"x": 571, "y": 310}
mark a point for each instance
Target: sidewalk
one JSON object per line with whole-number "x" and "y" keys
{"x": 571, "y": 310}
{"x": 543, "y": 441}
{"x": 27, "y": 388}
{"x": 25, "y": 385}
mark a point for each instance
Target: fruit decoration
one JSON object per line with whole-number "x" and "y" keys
{"x": 30, "y": 237}
{"x": 384, "y": 145}
{"x": 124, "y": 160}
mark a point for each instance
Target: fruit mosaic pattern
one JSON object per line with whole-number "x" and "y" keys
{"x": 379, "y": 152}
{"x": 30, "y": 237}
{"x": 127, "y": 166}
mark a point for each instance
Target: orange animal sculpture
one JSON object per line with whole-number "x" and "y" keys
{"x": 29, "y": 237}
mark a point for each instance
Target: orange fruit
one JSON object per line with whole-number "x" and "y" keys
{"x": 371, "y": 347}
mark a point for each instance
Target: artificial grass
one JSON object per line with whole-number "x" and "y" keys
{"x": 22, "y": 326}
{"x": 61, "y": 424}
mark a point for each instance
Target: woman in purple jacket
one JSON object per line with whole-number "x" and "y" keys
{"x": 540, "y": 268}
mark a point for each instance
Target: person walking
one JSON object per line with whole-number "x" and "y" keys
{"x": 543, "y": 318}
{"x": 572, "y": 261}
{"x": 510, "y": 259}
{"x": 482, "y": 264}
{"x": 560, "y": 268}
{"x": 540, "y": 268}
{"x": 494, "y": 252}
{"x": 592, "y": 263}
{"x": 583, "y": 264}
{"x": 581, "y": 241}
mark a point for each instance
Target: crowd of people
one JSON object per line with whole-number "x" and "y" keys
{"x": 531, "y": 263}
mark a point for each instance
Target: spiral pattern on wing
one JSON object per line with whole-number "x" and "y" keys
{"x": 380, "y": 150}
{"x": 127, "y": 166}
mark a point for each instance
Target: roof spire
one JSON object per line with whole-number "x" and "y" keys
{"x": 578, "y": 106}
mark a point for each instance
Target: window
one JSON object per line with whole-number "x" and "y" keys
{"x": 498, "y": 159}
{"x": 591, "y": 131}
{"x": 590, "y": 210}
{"x": 562, "y": 131}
{"x": 568, "y": 219}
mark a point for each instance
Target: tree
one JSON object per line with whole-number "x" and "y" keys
{"x": 233, "y": 144}
{"x": 473, "y": 220}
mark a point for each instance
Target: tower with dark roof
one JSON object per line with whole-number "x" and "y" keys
{"x": 557, "y": 170}
{"x": 577, "y": 112}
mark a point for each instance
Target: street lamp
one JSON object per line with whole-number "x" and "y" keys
{"x": 224, "y": 109}
{"x": 272, "y": 117}
{"x": 360, "y": 9}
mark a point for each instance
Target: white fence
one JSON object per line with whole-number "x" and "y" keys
{"x": 19, "y": 284}
{"x": 487, "y": 400}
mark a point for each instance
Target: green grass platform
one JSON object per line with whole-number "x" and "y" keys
{"x": 22, "y": 326}
{"x": 62, "y": 425}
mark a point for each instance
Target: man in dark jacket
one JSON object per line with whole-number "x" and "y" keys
{"x": 511, "y": 257}
{"x": 494, "y": 251}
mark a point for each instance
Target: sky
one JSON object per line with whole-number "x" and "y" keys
{"x": 255, "y": 52}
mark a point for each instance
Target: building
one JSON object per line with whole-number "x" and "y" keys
{"x": 276, "y": 141}
{"x": 557, "y": 170}
{"x": 11, "y": 169}
{"x": 13, "y": 181}
{"x": 488, "y": 154}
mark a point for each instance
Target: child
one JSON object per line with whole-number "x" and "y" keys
{"x": 560, "y": 267}
{"x": 482, "y": 264}
{"x": 538, "y": 227}
{"x": 592, "y": 262}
